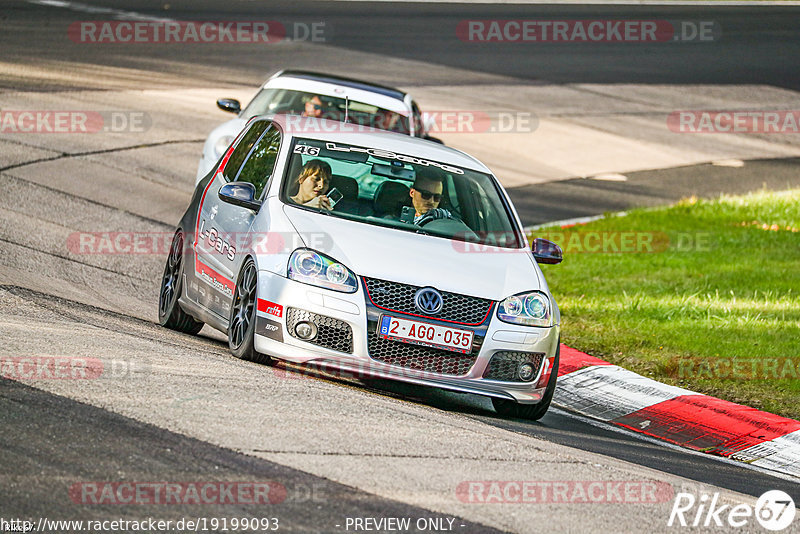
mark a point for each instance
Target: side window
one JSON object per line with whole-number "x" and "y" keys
{"x": 243, "y": 148}
{"x": 259, "y": 166}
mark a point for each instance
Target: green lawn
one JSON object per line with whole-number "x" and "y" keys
{"x": 701, "y": 291}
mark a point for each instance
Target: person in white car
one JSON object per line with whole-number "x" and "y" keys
{"x": 313, "y": 182}
{"x": 426, "y": 193}
{"x": 314, "y": 107}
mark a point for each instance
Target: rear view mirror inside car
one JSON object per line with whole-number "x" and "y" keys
{"x": 392, "y": 171}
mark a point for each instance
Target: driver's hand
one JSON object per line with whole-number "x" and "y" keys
{"x": 438, "y": 213}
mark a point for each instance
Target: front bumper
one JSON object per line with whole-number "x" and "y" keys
{"x": 361, "y": 315}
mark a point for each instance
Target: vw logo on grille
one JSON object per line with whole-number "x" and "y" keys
{"x": 428, "y": 300}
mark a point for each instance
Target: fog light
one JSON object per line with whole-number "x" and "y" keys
{"x": 525, "y": 371}
{"x": 305, "y": 330}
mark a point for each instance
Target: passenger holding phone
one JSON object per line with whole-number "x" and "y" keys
{"x": 314, "y": 181}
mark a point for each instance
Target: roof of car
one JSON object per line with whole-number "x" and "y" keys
{"x": 347, "y": 133}
{"x": 341, "y": 80}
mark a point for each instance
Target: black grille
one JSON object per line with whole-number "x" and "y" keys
{"x": 399, "y": 297}
{"x": 503, "y": 365}
{"x": 331, "y": 333}
{"x": 418, "y": 357}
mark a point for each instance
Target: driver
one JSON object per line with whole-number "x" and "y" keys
{"x": 313, "y": 107}
{"x": 426, "y": 193}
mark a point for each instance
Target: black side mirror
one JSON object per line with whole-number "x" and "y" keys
{"x": 434, "y": 139}
{"x": 230, "y": 105}
{"x": 242, "y": 194}
{"x": 545, "y": 251}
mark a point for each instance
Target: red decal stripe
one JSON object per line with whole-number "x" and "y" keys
{"x": 201, "y": 268}
{"x": 708, "y": 424}
{"x": 271, "y": 308}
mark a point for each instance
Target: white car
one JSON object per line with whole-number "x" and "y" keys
{"x": 287, "y": 91}
{"x": 370, "y": 252}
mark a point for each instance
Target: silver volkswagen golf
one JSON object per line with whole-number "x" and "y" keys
{"x": 371, "y": 252}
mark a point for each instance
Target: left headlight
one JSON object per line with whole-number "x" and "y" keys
{"x": 222, "y": 145}
{"x": 311, "y": 267}
{"x": 529, "y": 309}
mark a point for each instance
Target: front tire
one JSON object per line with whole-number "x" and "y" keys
{"x": 534, "y": 412}
{"x": 242, "y": 320}
{"x": 170, "y": 313}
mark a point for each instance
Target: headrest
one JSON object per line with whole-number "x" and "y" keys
{"x": 390, "y": 197}
{"x": 346, "y": 185}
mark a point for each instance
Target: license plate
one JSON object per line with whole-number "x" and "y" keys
{"x": 429, "y": 335}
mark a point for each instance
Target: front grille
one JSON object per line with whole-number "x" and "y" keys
{"x": 503, "y": 365}
{"x": 399, "y": 297}
{"x": 331, "y": 333}
{"x": 418, "y": 357}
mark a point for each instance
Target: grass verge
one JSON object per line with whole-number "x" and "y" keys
{"x": 704, "y": 294}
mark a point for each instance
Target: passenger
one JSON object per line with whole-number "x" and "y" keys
{"x": 426, "y": 193}
{"x": 313, "y": 182}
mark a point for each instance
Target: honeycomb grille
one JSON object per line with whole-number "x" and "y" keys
{"x": 503, "y": 365}
{"x": 331, "y": 333}
{"x": 418, "y": 357}
{"x": 399, "y": 297}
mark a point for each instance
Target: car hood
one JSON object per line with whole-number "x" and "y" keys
{"x": 401, "y": 256}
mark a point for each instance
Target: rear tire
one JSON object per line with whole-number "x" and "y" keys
{"x": 170, "y": 313}
{"x": 242, "y": 320}
{"x": 534, "y": 412}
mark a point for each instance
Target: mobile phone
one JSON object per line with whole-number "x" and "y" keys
{"x": 407, "y": 215}
{"x": 334, "y": 195}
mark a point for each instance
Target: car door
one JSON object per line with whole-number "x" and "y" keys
{"x": 223, "y": 229}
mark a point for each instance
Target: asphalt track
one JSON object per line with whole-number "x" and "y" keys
{"x": 56, "y": 434}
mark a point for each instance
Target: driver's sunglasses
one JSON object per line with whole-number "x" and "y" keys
{"x": 426, "y": 195}
{"x": 316, "y": 106}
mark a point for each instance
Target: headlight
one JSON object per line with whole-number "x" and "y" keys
{"x": 222, "y": 145}
{"x": 530, "y": 309}
{"x": 313, "y": 268}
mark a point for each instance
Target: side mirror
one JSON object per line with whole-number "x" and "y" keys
{"x": 242, "y": 194}
{"x": 434, "y": 139}
{"x": 545, "y": 251}
{"x": 229, "y": 104}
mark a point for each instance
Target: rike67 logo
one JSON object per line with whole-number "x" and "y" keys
{"x": 774, "y": 511}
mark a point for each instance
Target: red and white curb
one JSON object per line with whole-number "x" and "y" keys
{"x": 605, "y": 392}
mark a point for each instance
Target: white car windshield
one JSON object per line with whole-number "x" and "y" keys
{"x": 379, "y": 187}
{"x": 293, "y": 102}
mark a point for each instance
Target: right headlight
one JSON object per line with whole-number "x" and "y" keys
{"x": 529, "y": 309}
{"x": 311, "y": 267}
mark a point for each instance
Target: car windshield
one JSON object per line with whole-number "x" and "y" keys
{"x": 330, "y": 107}
{"x": 383, "y": 188}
